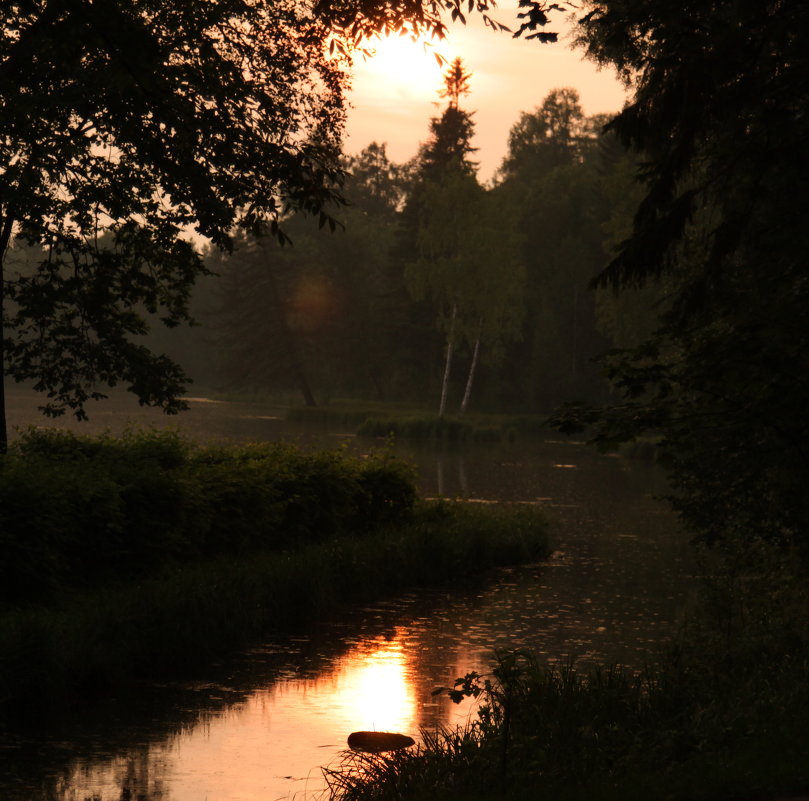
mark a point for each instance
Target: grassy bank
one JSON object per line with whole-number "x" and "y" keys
{"x": 87, "y": 511}
{"x": 724, "y": 716}
{"x": 254, "y": 547}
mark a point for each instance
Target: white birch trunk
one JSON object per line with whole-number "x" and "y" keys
{"x": 472, "y": 368}
{"x": 448, "y": 363}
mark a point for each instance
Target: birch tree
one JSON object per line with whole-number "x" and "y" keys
{"x": 438, "y": 210}
{"x": 467, "y": 262}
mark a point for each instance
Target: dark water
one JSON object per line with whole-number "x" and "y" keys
{"x": 260, "y": 726}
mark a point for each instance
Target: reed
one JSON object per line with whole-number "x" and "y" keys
{"x": 722, "y": 715}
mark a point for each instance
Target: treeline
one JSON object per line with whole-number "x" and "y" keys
{"x": 437, "y": 290}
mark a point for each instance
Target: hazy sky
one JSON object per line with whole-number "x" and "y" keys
{"x": 395, "y": 93}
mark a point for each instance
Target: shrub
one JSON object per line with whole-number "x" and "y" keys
{"x": 78, "y": 510}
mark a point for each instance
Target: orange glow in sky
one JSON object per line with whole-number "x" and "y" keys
{"x": 401, "y": 69}
{"x": 396, "y": 92}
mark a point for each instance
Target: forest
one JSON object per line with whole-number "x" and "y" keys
{"x": 430, "y": 290}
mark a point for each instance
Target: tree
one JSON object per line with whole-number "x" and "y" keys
{"x": 147, "y": 121}
{"x": 449, "y": 146}
{"x": 257, "y": 332}
{"x": 494, "y": 286}
{"x": 439, "y": 211}
{"x": 445, "y": 252}
{"x": 323, "y": 316}
{"x": 551, "y": 178}
{"x": 126, "y": 126}
{"x": 551, "y": 136}
{"x": 467, "y": 263}
{"x": 719, "y": 112}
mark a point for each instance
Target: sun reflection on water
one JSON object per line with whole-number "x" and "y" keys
{"x": 375, "y": 688}
{"x": 271, "y": 744}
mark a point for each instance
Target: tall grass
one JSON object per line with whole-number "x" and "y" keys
{"x": 723, "y": 716}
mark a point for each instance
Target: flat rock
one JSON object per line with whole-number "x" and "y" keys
{"x": 378, "y": 741}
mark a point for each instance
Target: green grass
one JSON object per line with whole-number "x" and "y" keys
{"x": 407, "y": 422}
{"x": 432, "y": 428}
{"x": 347, "y": 413}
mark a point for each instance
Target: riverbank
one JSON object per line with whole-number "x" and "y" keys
{"x": 722, "y": 716}
{"x": 400, "y": 422}
{"x": 281, "y": 556}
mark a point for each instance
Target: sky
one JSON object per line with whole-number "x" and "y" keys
{"x": 395, "y": 93}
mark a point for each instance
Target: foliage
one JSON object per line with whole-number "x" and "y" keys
{"x": 126, "y": 129}
{"x": 361, "y": 312}
{"x": 433, "y": 428}
{"x": 77, "y": 512}
{"x": 555, "y": 133}
{"x": 449, "y": 145}
{"x": 723, "y": 378}
{"x": 354, "y": 20}
{"x": 557, "y": 180}
{"x": 296, "y": 317}
{"x": 466, "y": 262}
{"x": 468, "y": 259}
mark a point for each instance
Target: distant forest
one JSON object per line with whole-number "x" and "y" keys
{"x": 428, "y": 259}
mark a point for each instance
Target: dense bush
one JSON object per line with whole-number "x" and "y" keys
{"x": 77, "y": 511}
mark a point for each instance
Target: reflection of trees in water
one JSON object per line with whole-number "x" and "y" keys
{"x": 140, "y": 774}
{"x": 143, "y": 776}
{"x": 444, "y": 463}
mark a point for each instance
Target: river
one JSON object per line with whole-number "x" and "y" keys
{"x": 260, "y": 726}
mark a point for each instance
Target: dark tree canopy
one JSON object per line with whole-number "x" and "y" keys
{"x": 719, "y": 114}
{"x": 554, "y": 134}
{"x": 719, "y": 109}
{"x": 126, "y": 128}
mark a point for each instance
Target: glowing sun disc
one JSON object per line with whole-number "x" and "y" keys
{"x": 404, "y": 68}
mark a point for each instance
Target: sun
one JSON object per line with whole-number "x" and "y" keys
{"x": 400, "y": 68}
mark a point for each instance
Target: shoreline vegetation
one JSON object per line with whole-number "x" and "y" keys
{"x": 383, "y": 421}
{"x": 146, "y": 556}
{"x": 721, "y": 717}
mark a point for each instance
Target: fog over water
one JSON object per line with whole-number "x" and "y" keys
{"x": 259, "y": 726}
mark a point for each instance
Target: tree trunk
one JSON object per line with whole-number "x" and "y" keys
{"x": 448, "y": 363}
{"x": 296, "y": 363}
{"x": 472, "y": 368}
{"x": 5, "y": 237}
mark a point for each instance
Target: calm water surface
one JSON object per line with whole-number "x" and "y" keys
{"x": 260, "y": 726}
